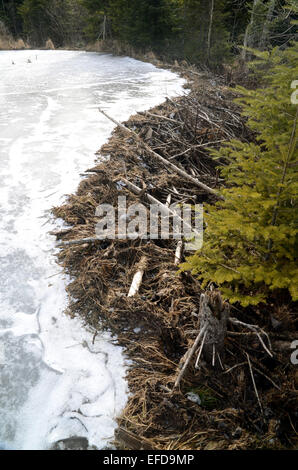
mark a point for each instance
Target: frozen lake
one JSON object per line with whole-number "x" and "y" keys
{"x": 54, "y": 383}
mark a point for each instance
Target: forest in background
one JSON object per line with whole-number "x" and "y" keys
{"x": 199, "y": 31}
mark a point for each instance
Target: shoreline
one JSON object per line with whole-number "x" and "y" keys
{"x": 57, "y": 172}
{"x": 155, "y": 326}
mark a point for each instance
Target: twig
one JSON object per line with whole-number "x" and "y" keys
{"x": 213, "y": 355}
{"x": 80, "y": 241}
{"x": 132, "y": 441}
{"x": 169, "y": 199}
{"x": 268, "y": 378}
{"x": 190, "y": 353}
{"x": 254, "y": 383}
{"x": 163, "y": 117}
{"x": 254, "y": 328}
{"x": 234, "y": 367}
{"x": 200, "y": 351}
{"x": 178, "y": 253}
{"x": 207, "y": 144}
{"x": 60, "y": 232}
{"x": 219, "y": 360}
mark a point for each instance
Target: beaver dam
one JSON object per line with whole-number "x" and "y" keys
{"x": 237, "y": 388}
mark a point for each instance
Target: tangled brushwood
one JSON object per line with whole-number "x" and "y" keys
{"x": 204, "y": 374}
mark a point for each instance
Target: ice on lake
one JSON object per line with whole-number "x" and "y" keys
{"x": 54, "y": 382}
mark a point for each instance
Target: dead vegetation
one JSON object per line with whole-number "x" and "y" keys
{"x": 241, "y": 395}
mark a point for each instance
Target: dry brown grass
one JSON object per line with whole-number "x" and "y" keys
{"x": 49, "y": 44}
{"x": 8, "y": 43}
{"x": 120, "y": 48}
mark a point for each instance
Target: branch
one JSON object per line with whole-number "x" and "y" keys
{"x": 254, "y": 383}
{"x": 256, "y": 330}
{"x": 189, "y": 354}
{"x": 178, "y": 253}
{"x": 163, "y": 160}
{"x": 80, "y": 241}
{"x": 285, "y": 168}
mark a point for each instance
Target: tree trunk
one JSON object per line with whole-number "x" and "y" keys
{"x": 265, "y": 32}
{"x": 210, "y": 31}
{"x": 213, "y": 317}
{"x": 249, "y": 32}
{"x": 104, "y": 32}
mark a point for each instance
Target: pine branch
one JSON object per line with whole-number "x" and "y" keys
{"x": 291, "y": 149}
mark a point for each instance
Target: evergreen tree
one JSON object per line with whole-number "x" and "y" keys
{"x": 61, "y": 20}
{"x": 205, "y": 38}
{"x": 98, "y": 11}
{"x": 35, "y": 21}
{"x": 250, "y": 242}
{"x": 269, "y": 24}
{"x": 143, "y": 23}
{"x": 200, "y": 31}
